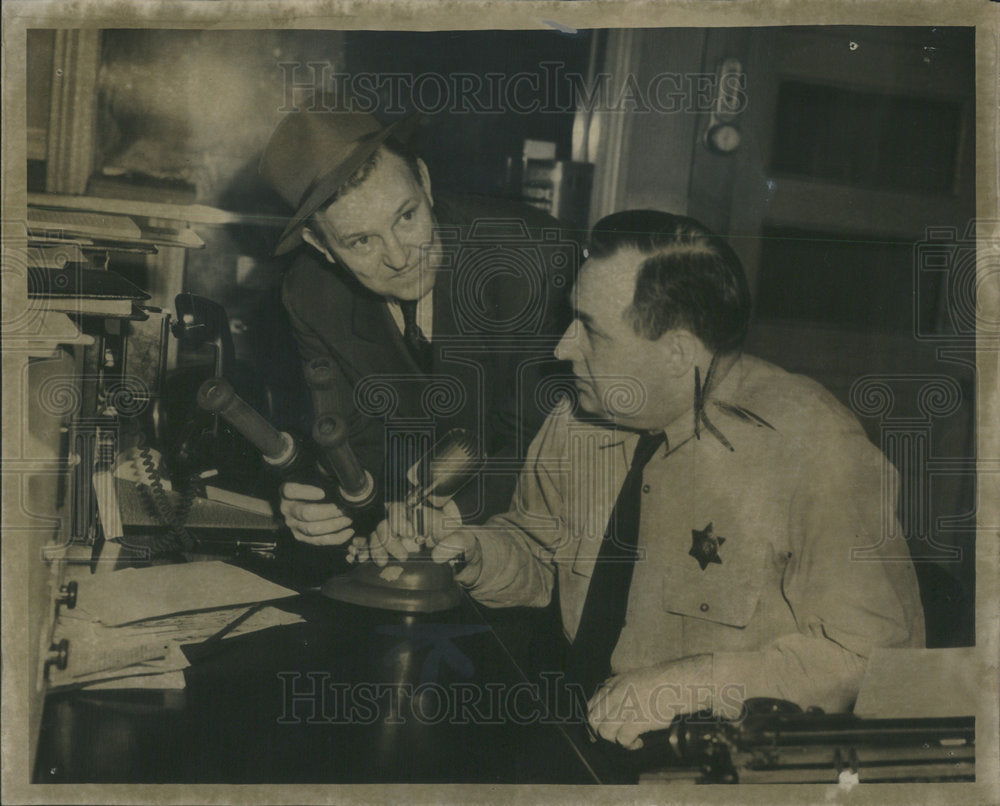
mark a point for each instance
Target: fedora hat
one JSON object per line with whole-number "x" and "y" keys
{"x": 312, "y": 153}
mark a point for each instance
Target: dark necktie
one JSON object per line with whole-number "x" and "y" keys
{"x": 414, "y": 337}
{"x": 607, "y": 596}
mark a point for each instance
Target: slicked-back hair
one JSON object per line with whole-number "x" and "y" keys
{"x": 689, "y": 278}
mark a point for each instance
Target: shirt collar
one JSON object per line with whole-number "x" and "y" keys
{"x": 682, "y": 429}
{"x": 714, "y": 387}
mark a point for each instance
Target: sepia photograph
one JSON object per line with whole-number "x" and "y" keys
{"x": 452, "y": 401}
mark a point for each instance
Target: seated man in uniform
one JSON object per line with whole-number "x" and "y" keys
{"x": 432, "y": 310}
{"x": 711, "y": 523}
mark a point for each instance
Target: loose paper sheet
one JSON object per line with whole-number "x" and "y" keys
{"x": 903, "y": 683}
{"x": 134, "y": 594}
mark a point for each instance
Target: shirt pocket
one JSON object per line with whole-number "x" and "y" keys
{"x": 726, "y": 593}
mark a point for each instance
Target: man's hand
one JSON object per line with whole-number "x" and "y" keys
{"x": 636, "y": 702}
{"x": 450, "y": 542}
{"x": 312, "y": 522}
{"x": 395, "y": 537}
{"x": 405, "y": 530}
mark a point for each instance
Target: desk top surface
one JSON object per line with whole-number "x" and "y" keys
{"x": 351, "y": 695}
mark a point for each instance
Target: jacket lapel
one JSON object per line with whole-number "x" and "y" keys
{"x": 371, "y": 322}
{"x": 467, "y": 366}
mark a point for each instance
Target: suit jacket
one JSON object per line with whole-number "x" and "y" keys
{"x": 500, "y": 305}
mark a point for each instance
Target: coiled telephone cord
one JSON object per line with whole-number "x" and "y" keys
{"x": 159, "y": 508}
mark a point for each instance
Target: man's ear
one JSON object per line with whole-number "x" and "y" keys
{"x": 317, "y": 243}
{"x": 425, "y": 179}
{"x": 680, "y": 350}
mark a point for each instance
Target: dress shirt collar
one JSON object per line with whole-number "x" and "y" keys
{"x": 683, "y": 428}
{"x": 425, "y": 314}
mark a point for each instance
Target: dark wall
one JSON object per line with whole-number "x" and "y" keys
{"x": 464, "y": 150}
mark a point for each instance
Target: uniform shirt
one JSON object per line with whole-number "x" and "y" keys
{"x": 801, "y": 508}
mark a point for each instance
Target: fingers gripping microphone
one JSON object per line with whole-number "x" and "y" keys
{"x": 416, "y": 584}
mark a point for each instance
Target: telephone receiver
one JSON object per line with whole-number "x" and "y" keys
{"x": 195, "y": 445}
{"x": 202, "y": 321}
{"x": 191, "y": 439}
{"x": 199, "y": 321}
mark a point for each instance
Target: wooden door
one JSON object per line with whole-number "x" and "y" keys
{"x": 851, "y": 199}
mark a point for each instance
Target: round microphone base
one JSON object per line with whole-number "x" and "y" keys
{"x": 415, "y": 585}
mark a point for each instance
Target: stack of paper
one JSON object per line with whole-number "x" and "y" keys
{"x": 77, "y": 287}
{"x": 60, "y": 223}
{"x": 107, "y": 228}
{"x": 128, "y": 627}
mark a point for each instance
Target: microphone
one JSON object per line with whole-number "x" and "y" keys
{"x": 216, "y": 395}
{"x": 339, "y": 461}
{"x": 445, "y": 469}
{"x": 293, "y": 459}
{"x": 417, "y": 584}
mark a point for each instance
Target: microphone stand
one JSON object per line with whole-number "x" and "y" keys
{"x": 416, "y": 584}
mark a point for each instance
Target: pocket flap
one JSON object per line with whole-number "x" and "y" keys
{"x": 726, "y": 592}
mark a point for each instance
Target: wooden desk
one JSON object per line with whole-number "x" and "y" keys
{"x": 357, "y": 695}
{"x": 352, "y": 695}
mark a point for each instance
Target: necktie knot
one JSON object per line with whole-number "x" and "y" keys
{"x": 409, "y": 309}
{"x": 646, "y": 449}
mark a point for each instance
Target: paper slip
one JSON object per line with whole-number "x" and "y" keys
{"x": 79, "y": 673}
{"x": 195, "y": 628}
{"x": 97, "y": 649}
{"x": 185, "y": 628}
{"x": 135, "y": 594}
{"x": 163, "y": 680}
{"x": 263, "y": 619}
{"x": 117, "y": 658}
{"x": 148, "y": 654}
{"x": 172, "y": 659}
{"x": 939, "y": 683}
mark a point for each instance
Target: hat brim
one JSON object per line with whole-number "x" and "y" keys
{"x": 328, "y": 184}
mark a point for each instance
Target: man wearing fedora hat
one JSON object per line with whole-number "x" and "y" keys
{"x": 432, "y": 310}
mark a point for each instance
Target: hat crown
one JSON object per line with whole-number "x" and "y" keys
{"x": 309, "y": 145}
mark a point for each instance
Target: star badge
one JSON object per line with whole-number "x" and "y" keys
{"x": 705, "y": 546}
